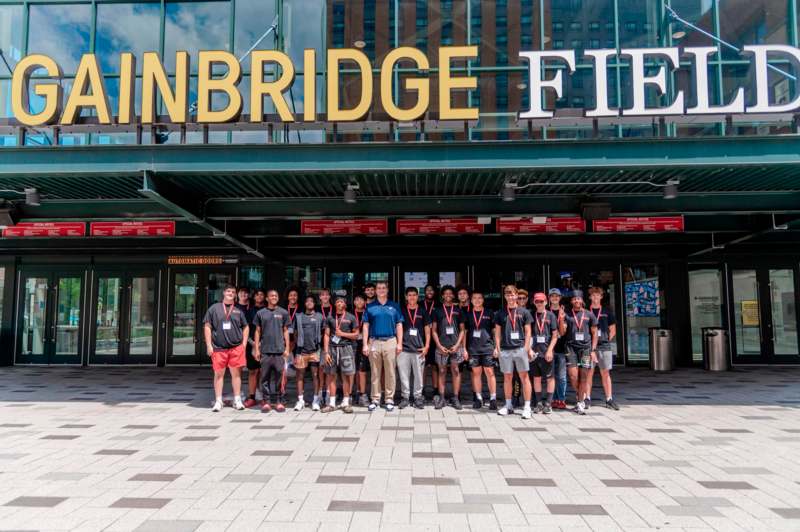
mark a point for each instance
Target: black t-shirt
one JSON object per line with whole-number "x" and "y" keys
{"x": 513, "y": 330}
{"x": 272, "y": 322}
{"x": 326, "y": 311}
{"x": 292, "y": 317}
{"x": 561, "y": 344}
{"x": 430, "y": 305}
{"x": 480, "y": 332}
{"x": 448, "y": 321}
{"x": 414, "y": 328}
{"x": 579, "y": 328}
{"x": 310, "y": 323}
{"x": 605, "y": 318}
{"x": 359, "y": 316}
{"x": 542, "y": 330}
{"x": 227, "y": 325}
{"x": 346, "y": 323}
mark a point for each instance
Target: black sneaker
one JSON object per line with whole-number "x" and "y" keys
{"x": 587, "y": 403}
{"x": 403, "y": 403}
{"x": 438, "y": 403}
{"x": 612, "y": 404}
{"x": 539, "y": 408}
{"x": 493, "y": 404}
{"x": 363, "y": 400}
{"x": 419, "y": 403}
{"x": 456, "y": 403}
{"x": 547, "y": 409}
{"x": 477, "y": 404}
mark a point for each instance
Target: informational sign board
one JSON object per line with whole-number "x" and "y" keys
{"x": 439, "y": 226}
{"x": 642, "y": 224}
{"x": 642, "y": 299}
{"x": 750, "y": 316}
{"x": 364, "y": 226}
{"x": 541, "y": 225}
{"x": 45, "y": 229}
{"x": 150, "y": 228}
{"x": 195, "y": 260}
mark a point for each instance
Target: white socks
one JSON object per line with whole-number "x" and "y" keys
{"x": 527, "y": 404}
{"x": 493, "y": 397}
{"x": 346, "y": 401}
{"x": 509, "y": 404}
{"x": 479, "y": 396}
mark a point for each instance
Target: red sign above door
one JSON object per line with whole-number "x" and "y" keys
{"x": 154, "y": 228}
{"x": 440, "y": 226}
{"x": 644, "y": 224}
{"x": 541, "y": 225}
{"x": 45, "y": 229}
{"x": 363, "y": 226}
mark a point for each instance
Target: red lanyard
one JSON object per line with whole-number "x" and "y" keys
{"x": 429, "y": 309}
{"x": 579, "y": 324}
{"x": 337, "y": 321}
{"x": 599, "y": 313}
{"x": 449, "y": 316}
{"x": 291, "y": 313}
{"x": 512, "y": 319}
{"x": 414, "y": 317}
{"x": 227, "y": 312}
{"x": 466, "y": 307}
{"x": 358, "y": 319}
{"x": 476, "y": 319}
{"x": 330, "y": 311}
{"x": 540, "y": 324}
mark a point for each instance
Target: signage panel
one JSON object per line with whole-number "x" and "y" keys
{"x": 644, "y": 224}
{"x": 364, "y": 226}
{"x": 439, "y": 226}
{"x": 541, "y": 225}
{"x": 45, "y": 229}
{"x": 154, "y": 228}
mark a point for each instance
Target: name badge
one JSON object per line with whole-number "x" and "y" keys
{"x": 290, "y": 330}
{"x": 476, "y": 334}
{"x": 413, "y": 332}
{"x": 449, "y": 330}
{"x": 579, "y": 337}
{"x": 360, "y": 336}
{"x": 335, "y": 339}
{"x": 599, "y": 333}
{"x": 515, "y": 335}
{"x": 226, "y": 325}
{"x": 541, "y": 340}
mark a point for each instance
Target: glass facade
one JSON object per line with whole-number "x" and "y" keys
{"x": 500, "y": 29}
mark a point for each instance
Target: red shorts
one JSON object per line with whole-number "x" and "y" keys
{"x": 228, "y": 358}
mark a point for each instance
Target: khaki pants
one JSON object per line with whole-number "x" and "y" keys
{"x": 382, "y": 355}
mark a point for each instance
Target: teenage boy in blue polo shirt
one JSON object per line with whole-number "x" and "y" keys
{"x": 383, "y": 341}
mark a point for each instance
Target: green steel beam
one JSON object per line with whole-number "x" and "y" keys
{"x": 353, "y": 158}
{"x": 185, "y": 205}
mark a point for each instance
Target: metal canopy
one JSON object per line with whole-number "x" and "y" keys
{"x": 220, "y": 189}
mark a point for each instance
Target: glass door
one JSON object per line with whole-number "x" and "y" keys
{"x": 644, "y": 308}
{"x": 49, "y": 323}
{"x": 705, "y": 304}
{"x": 124, "y": 320}
{"x": 764, "y": 315}
{"x": 351, "y": 281}
{"x": 191, "y": 293}
{"x": 422, "y": 275}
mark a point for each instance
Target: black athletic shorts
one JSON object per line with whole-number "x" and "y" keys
{"x": 430, "y": 358}
{"x": 481, "y": 361}
{"x": 252, "y": 363}
{"x": 362, "y": 360}
{"x": 541, "y": 367}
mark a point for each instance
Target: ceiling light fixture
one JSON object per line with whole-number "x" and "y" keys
{"x": 32, "y": 197}
{"x": 350, "y": 193}
{"x": 360, "y": 44}
{"x": 509, "y": 192}
{"x": 671, "y": 189}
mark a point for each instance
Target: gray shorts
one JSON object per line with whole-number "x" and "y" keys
{"x": 514, "y": 359}
{"x": 605, "y": 358}
{"x": 445, "y": 359}
{"x": 573, "y": 355}
{"x": 343, "y": 359}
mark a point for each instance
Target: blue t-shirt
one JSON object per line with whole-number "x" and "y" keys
{"x": 383, "y": 319}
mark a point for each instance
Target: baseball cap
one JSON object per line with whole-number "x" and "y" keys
{"x": 577, "y": 293}
{"x": 554, "y": 291}
{"x": 539, "y": 296}
{"x": 343, "y": 297}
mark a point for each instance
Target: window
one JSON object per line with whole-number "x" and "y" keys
{"x": 126, "y": 28}
{"x": 61, "y": 32}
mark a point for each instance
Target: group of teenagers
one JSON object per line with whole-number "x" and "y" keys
{"x": 537, "y": 349}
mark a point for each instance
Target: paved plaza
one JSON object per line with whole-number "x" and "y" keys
{"x": 139, "y": 449}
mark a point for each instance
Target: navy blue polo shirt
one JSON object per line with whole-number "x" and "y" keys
{"x": 383, "y": 319}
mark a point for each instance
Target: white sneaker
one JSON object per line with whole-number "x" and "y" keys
{"x": 217, "y": 406}
{"x": 580, "y": 408}
{"x": 237, "y": 403}
{"x": 299, "y": 406}
{"x": 505, "y": 411}
{"x": 526, "y": 413}
{"x": 389, "y": 407}
{"x": 315, "y": 406}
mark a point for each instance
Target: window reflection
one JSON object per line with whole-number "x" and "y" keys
{"x": 61, "y": 32}
{"x": 571, "y": 25}
{"x": 126, "y": 28}
{"x": 253, "y": 18}
{"x": 744, "y": 22}
{"x": 195, "y": 26}
{"x": 10, "y": 35}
